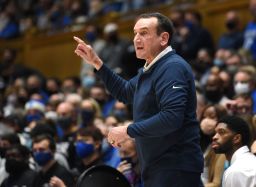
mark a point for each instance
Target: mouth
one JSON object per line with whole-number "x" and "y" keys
{"x": 139, "y": 48}
{"x": 215, "y": 145}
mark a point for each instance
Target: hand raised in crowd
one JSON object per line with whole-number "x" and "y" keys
{"x": 124, "y": 166}
{"x": 56, "y": 182}
{"x": 87, "y": 53}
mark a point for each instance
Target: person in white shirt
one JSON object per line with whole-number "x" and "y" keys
{"x": 232, "y": 137}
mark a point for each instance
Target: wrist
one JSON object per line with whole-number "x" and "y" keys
{"x": 98, "y": 64}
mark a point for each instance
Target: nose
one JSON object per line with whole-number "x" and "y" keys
{"x": 136, "y": 38}
{"x": 215, "y": 137}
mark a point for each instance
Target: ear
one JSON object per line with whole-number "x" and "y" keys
{"x": 237, "y": 139}
{"x": 164, "y": 38}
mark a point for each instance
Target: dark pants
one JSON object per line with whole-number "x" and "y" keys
{"x": 174, "y": 179}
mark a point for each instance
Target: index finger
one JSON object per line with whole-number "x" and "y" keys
{"x": 78, "y": 40}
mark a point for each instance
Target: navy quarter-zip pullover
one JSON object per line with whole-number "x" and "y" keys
{"x": 165, "y": 127}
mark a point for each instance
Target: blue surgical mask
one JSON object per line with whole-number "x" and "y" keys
{"x": 83, "y": 149}
{"x": 120, "y": 114}
{"x": 218, "y": 62}
{"x": 34, "y": 117}
{"x": 90, "y": 36}
{"x": 42, "y": 157}
{"x": 88, "y": 81}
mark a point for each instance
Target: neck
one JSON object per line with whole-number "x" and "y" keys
{"x": 230, "y": 153}
{"x": 48, "y": 165}
{"x": 90, "y": 159}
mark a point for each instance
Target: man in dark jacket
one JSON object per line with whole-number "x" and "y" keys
{"x": 17, "y": 166}
{"x": 165, "y": 127}
{"x": 43, "y": 152}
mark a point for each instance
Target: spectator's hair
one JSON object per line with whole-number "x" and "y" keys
{"x": 91, "y": 131}
{"x": 219, "y": 109}
{"x": 22, "y": 150}
{"x": 237, "y": 125}
{"x": 39, "y": 138}
{"x": 11, "y": 138}
{"x": 164, "y": 23}
{"x": 44, "y": 127}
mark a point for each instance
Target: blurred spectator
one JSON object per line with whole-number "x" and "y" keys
{"x": 17, "y": 165}
{"x": 130, "y": 5}
{"x": 9, "y": 27}
{"x": 202, "y": 64}
{"x": 106, "y": 102}
{"x": 221, "y": 55}
{"x": 7, "y": 140}
{"x": 244, "y": 83}
{"x": 10, "y": 70}
{"x": 227, "y": 83}
{"x": 49, "y": 127}
{"x": 233, "y": 38}
{"x": 36, "y": 85}
{"x": 52, "y": 85}
{"x": 213, "y": 91}
{"x": 129, "y": 165}
{"x": 250, "y": 31}
{"x": 213, "y": 164}
{"x": 66, "y": 122}
{"x": 34, "y": 111}
{"x": 119, "y": 54}
{"x": 193, "y": 20}
{"x": 89, "y": 111}
{"x": 44, "y": 148}
{"x": 86, "y": 151}
{"x": 121, "y": 111}
{"x": 70, "y": 85}
{"x": 188, "y": 30}
{"x": 93, "y": 37}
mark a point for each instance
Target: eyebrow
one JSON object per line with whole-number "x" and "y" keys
{"x": 143, "y": 28}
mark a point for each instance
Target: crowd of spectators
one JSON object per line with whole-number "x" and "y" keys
{"x": 66, "y": 121}
{"x": 51, "y": 16}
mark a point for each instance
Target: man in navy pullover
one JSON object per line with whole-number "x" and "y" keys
{"x": 164, "y": 106}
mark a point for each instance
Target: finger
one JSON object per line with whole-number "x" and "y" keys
{"x": 78, "y": 40}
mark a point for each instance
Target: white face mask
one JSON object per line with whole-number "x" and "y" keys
{"x": 242, "y": 88}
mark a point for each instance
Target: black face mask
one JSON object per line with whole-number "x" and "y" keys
{"x": 14, "y": 167}
{"x": 231, "y": 24}
{"x": 87, "y": 117}
{"x": 64, "y": 122}
{"x": 2, "y": 152}
{"x": 33, "y": 90}
{"x": 213, "y": 95}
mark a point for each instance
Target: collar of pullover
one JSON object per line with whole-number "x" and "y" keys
{"x": 160, "y": 55}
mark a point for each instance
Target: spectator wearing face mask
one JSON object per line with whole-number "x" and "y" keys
{"x": 66, "y": 121}
{"x": 129, "y": 165}
{"x": 7, "y": 140}
{"x": 233, "y": 38}
{"x": 44, "y": 148}
{"x": 87, "y": 149}
{"x": 17, "y": 165}
{"x": 89, "y": 111}
{"x": 244, "y": 83}
{"x": 214, "y": 91}
{"x": 250, "y": 31}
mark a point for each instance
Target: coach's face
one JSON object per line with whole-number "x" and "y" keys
{"x": 148, "y": 44}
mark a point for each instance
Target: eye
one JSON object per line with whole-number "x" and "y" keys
{"x": 143, "y": 33}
